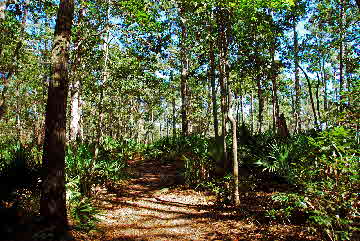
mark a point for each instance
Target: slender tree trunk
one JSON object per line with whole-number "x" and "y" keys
{"x": 208, "y": 110}
{"x": 174, "y": 117}
{"x": 236, "y": 197}
{"x": 237, "y": 106}
{"x": 167, "y": 126}
{"x": 99, "y": 131}
{"x": 75, "y": 127}
{"x": 275, "y": 102}
{"x": 341, "y": 55}
{"x": 184, "y": 75}
{"x": 325, "y": 85}
{"x": 297, "y": 80}
{"x": 252, "y": 112}
{"x": 261, "y": 105}
{"x": 242, "y": 109}
{"x": 75, "y": 89}
{"x": 2, "y": 10}
{"x": 317, "y": 96}
{"x": 213, "y": 89}
{"x": 223, "y": 48}
{"x": 53, "y": 197}
{"x": 311, "y": 97}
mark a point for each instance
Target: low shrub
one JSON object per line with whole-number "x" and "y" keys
{"x": 329, "y": 175}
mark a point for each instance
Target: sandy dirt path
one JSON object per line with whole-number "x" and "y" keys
{"x": 152, "y": 206}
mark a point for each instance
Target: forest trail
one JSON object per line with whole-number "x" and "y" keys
{"x": 154, "y": 206}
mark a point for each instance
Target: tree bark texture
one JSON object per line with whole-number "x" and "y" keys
{"x": 2, "y": 10}
{"x": 223, "y": 55}
{"x": 213, "y": 88}
{"x": 184, "y": 75}
{"x": 252, "y": 112}
{"x": 317, "y": 96}
{"x": 99, "y": 132}
{"x": 275, "y": 102}
{"x": 236, "y": 196}
{"x": 297, "y": 79}
{"x": 53, "y": 198}
{"x": 261, "y": 104}
{"x": 75, "y": 123}
{"x": 341, "y": 54}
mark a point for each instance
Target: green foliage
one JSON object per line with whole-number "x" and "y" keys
{"x": 329, "y": 175}
{"x": 83, "y": 171}
{"x": 278, "y": 160}
{"x": 81, "y": 164}
{"x": 192, "y": 151}
{"x": 220, "y": 187}
{"x": 81, "y": 209}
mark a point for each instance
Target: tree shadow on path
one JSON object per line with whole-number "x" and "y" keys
{"x": 154, "y": 206}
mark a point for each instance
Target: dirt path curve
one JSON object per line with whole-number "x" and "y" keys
{"x": 151, "y": 206}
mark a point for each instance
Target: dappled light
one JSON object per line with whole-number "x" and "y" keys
{"x": 179, "y": 120}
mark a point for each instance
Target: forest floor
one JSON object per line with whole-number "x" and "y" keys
{"x": 153, "y": 205}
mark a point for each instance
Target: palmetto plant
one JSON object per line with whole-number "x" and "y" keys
{"x": 278, "y": 160}
{"x": 81, "y": 164}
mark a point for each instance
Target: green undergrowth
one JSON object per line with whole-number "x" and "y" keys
{"x": 84, "y": 171}
{"x": 324, "y": 167}
{"x": 313, "y": 176}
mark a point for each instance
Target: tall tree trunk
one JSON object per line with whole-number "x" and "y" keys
{"x": 104, "y": 82}
{"x": 236, "y": 196}
{"x": 184, "y": 75}
{"x": 2, "y": 10}
{"x": 311, "y": 97}
{"x": 208, "y": 110}
{"x": 325, "y": 85}
{"x": 237, "y": 106}
{"x": 297, "y": 80}
{"x": 223, "y": 49}
{"x": 174, "y": 117}
{"x": 317, "y": 96}
{"x": 275, "y": 102}
{"x": 261, "y": 104}
{"x": 341, "y": 55}
{"x": 53, "y": 197}
{"x": 242, "y": 109}
{"x": 213, "y": 89}
{"x": 75, "y": 128}
{"x": 252, "y": 112}
{"x": 75, "y": 87}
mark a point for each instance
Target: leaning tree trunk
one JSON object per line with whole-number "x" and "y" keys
{"x": 311, "y": 97}
{"x": 53, "y": 197}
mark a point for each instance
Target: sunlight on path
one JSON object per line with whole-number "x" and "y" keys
{"x": 153, "y": 206}
{"x": 169, "y": 216}
{"x": 146, "y": 208}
